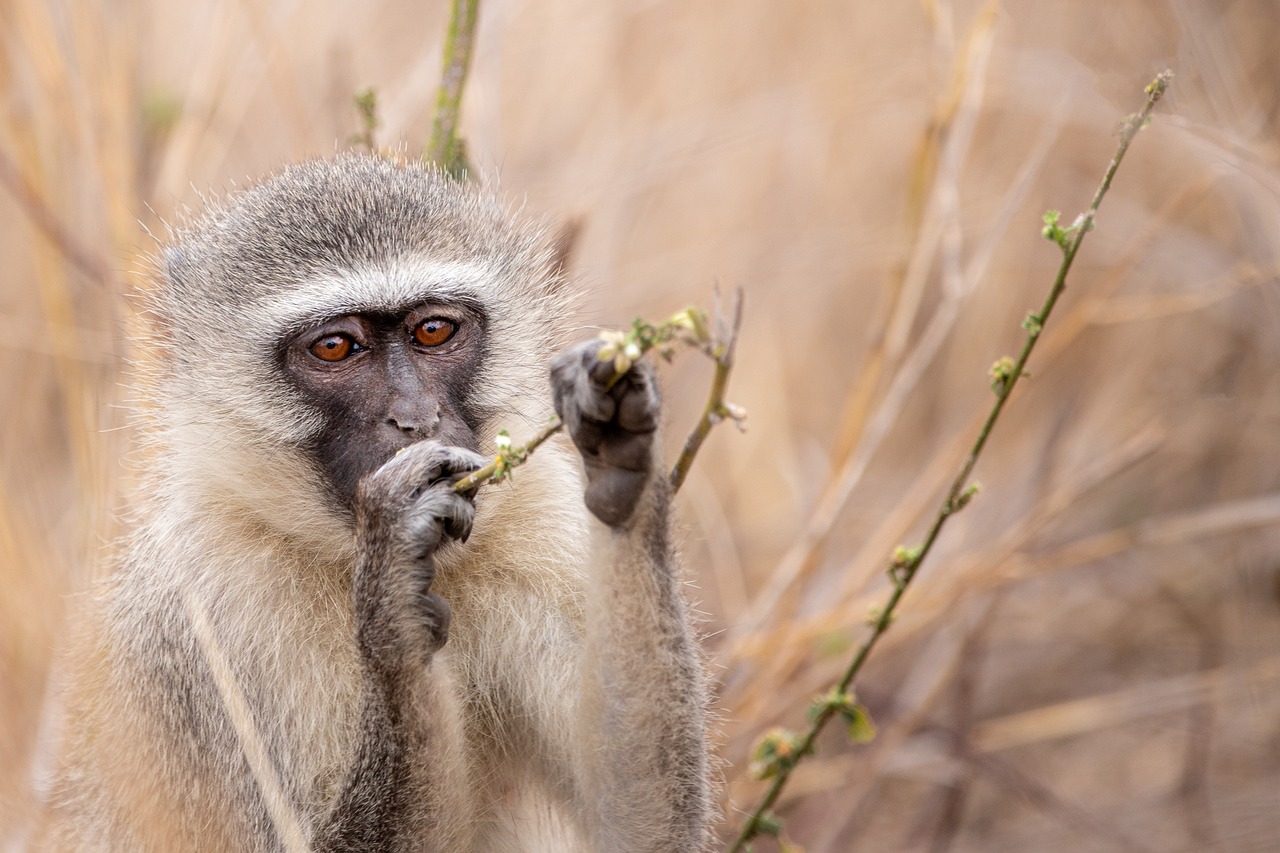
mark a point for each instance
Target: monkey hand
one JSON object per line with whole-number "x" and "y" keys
{"x": 613, "y": 428}
{"x": 405, "y": 510}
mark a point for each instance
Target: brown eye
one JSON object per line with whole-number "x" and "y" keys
{"x": 434, "y": 332}
{"x": 333, "y": 348}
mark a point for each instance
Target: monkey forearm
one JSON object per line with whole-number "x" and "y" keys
{"x": 404, "y": 511}
{"x": 643, "y": 700}
{"x": 374, "y": 797}
{"x": 376, "y": 801}
{"x": 640, "y": 733}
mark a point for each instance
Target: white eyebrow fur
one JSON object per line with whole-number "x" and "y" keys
{"x": 381, "y": 287}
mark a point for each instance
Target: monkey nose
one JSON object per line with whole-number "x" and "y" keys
{"x": 402, "y": 425}
{"x": 420, "y": 422}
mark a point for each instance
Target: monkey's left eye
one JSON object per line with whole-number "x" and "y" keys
{"x": 434, "y": 331}
{"x": 334, "y": 347}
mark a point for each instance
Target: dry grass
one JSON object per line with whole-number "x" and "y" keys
{"x": 1088, "y": 661}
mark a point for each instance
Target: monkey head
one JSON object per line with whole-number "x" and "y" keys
{"x": 309, "y": 327}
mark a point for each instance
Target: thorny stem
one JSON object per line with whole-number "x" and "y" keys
{"x": 955, "y": 499}
{"x": 446, "y": 147}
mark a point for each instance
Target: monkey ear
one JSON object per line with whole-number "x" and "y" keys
{"x": 173, "y": 264}
{"x": 562, "y": 246}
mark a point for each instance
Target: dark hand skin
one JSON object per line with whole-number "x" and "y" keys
{"x": 613, "y": 428}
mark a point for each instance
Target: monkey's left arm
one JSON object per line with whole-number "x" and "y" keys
{"x": 640, "y": 734}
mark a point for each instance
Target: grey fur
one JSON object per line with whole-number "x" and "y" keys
{"x": 269, "y": 668}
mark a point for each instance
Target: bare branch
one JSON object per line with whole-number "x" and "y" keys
{"x": 906, "y": 561}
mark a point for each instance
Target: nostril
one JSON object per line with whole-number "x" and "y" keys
{"x": 404, "y": 425}
{"x": 413, "y": 419}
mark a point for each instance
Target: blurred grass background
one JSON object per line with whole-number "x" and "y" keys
{"x": 1090, "y": 660}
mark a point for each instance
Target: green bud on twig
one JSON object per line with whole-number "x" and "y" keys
{"x": 1051, "y": 231}
{"x": 904, "y": 557}
{"x": 962, "y": 499}
{"x": 904, "y": 562}
{"x": 1054, "y": 231}
{"x": 769, "y": 824}
{"x": 778, "y": 749}
{"x": 845, "y": 705}
{"x": 875, "y": 614}
{"x": 1001, "y": 374}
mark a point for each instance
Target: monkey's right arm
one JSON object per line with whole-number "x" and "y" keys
{"x": 638, "y": 731}
{"x": 404, "y": 511}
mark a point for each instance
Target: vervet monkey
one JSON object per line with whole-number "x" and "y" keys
{"x": 310, "y": 640}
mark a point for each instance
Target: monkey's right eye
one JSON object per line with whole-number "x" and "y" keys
{"x": 334, "y": 347}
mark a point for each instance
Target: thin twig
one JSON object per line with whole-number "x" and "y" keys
{"x": 446, "y": 147}
{"x": 904, "y": 570}
{"x": 488, "y": 472}
{"x": 252, "y": 744}
{"x": 688, "y": 326}
{"x": 717, "y": 409}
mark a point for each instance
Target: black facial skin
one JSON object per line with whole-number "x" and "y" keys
{"x": 386, "y": 390}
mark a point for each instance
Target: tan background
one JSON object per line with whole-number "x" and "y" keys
{"x": 1090, "y": 661}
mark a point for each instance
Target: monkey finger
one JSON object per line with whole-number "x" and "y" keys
{"x": 449, "y": 513}
{"x": 587, "y": 434}
{"x": 575, "y": 398}
{"x": 639, "y": 405}
{"x": 584, "y": 365}
{"x": 601, "y": 372}
{"x": 430, "y": 462}
{"x": 457, "y": 525}
{"x": 437, "y": 616}
{"x": 585, "y": 357}
{"x": 458, "y": 462}
{"x": 566, "y": 366}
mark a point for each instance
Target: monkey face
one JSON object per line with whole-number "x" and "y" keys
{"x": 380, "y": 381}
{"x": 308, "y": 327}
